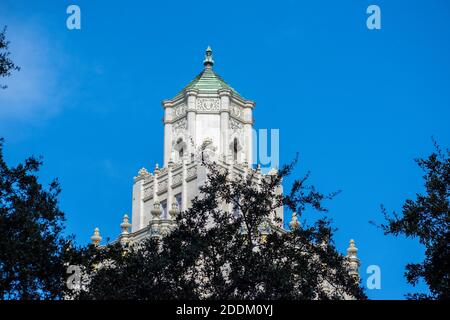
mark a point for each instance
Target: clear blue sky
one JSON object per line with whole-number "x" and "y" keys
{"x": 357, "y": 105}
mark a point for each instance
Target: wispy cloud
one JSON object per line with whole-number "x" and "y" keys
{"x": 111, "y": 169}
{"x": 33, "y": 93}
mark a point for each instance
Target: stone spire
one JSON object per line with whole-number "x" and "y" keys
{"x": 173, "y": 212}
{"x": 96, "y": 237}
{"x": 352, "y": 257}
{"x": 125, "y": 225}
{"x": 294, "y": 224}
{"x": 156, "y": 212}
{"x": 208, "y": 82}
{"x": 208, "y": 62}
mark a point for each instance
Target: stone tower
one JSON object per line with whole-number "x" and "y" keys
{"x": 207, "y": 118}
{"x": 208, "y": 110}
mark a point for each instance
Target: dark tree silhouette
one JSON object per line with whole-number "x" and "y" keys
{"x": 6, "y": 64}
{"x": 34, "y": 254}
{"x": 428, "y": 218}
{"x": 231, "y": 254}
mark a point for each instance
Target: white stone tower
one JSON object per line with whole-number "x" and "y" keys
{"x": 208, "y": 110}
{"x": 208, "y": 118}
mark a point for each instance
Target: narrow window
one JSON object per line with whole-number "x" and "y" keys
{"x": 180, "y": 145}
{"x": 235, "y": 149}
{"x": 164, "y": 209}
{"x": 179, "y": 200}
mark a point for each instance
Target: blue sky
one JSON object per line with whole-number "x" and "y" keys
{"x": 358, "y": 105}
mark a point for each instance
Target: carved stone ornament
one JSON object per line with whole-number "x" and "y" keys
{"x": 177, "y": 178}
{"x": 143, "y": 172}
{"x": 179, "y": 127}
{"x": 192, "y": 172}
{"x": 235, "y": 125}
{"x": 208, "y": 104}
{"x": 179, "y": 111}
{"x": 236, "y": 111}
{"x": 148, "y": 191}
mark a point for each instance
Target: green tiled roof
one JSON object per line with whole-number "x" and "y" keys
{"x": 208, "y": 81}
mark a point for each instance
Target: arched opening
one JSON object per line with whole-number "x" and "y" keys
{"x": 235, "y": 149}
{"x": 180, "y": 149}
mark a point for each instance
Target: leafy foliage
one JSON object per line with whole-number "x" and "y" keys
{"x": 217, "y": 253}
{"x": 427, "y": 218}
{"x": 6, "y": 64}
{"x": 33, "y": 252}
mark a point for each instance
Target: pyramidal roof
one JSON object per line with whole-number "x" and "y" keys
{"x": 208, "y": 81}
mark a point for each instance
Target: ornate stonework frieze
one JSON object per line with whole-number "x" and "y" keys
{"x": 148, "y": 192}
{"x": 181, "y": 124}
{"x": 208, "y": 104}
{"x": 235, "y": 125}
{"x": 162, "y": 171}
{"x": 179, "y": 111}
{"x": 237, "y": 111}
{"x": 162, "y": 186}
{"x": 179, "y": 127}
{"x": 177, "y": 179}
{"x": 191, "y": 172}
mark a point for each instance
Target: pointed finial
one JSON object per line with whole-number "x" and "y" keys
{"x": 125, "y": 225}
{"x": 156, "y": 212}
{"x": 294, "y": 224}
{"x": 352, "y": 257}
{"x": 143, "y": 172}
{"x": 173, "y": 212}
{"x": 175, "y": 204}
{"x": 96, "y": 237}
{"x": 208, "y": 62}
{"x": 352, "y": 250}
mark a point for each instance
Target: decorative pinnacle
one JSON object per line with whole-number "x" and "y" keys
{"x": 96, "y": 237}
{"x": 125, "y": 225}
{"x": 143, "y": 172}
{"x": 352, "y": 250}
{"x": 156, "y": 212}
{"x": 352, "y": 256}
{"x": 175, "y": 209}
{"x": 208, "y": 62}
{"x": 294, "y": 224}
